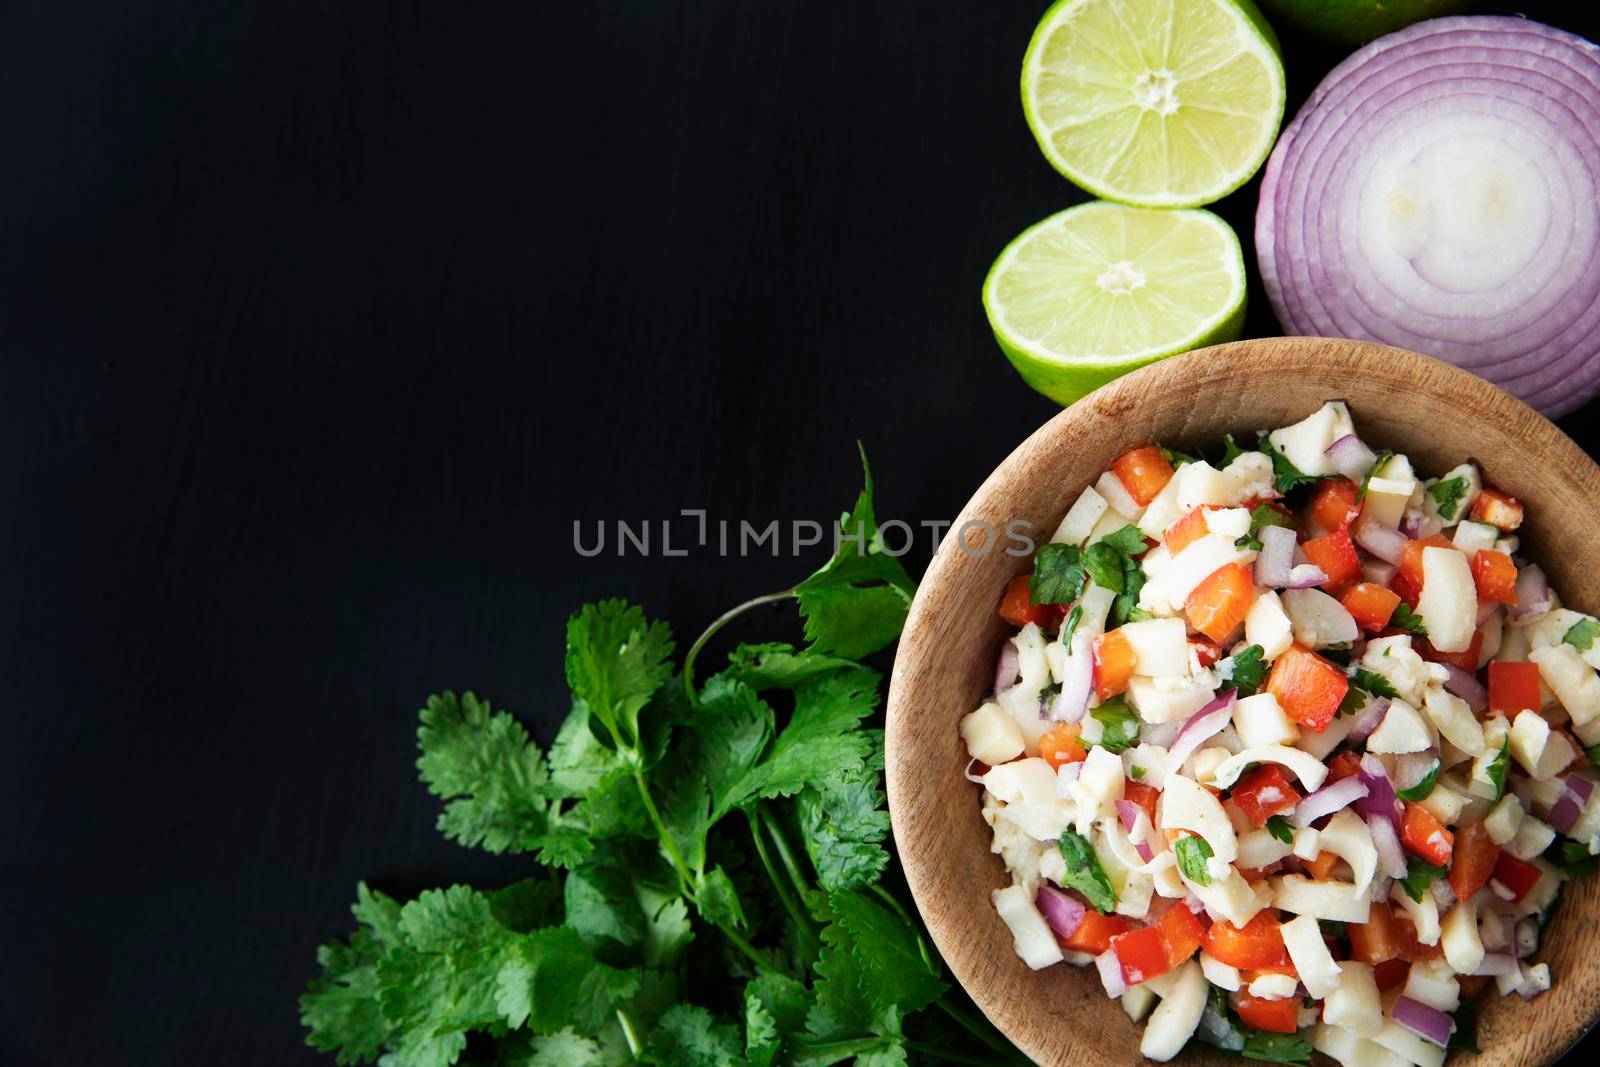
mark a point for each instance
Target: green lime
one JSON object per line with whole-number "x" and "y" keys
{"x": 1355, "y": 22}
{"x": 1159, "y": 103}
{"x": 1096, "y": 290}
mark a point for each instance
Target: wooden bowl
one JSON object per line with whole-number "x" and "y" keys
{"x": 1436, "y": 414}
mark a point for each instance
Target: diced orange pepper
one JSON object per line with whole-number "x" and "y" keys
{"x": 1334, "y": 506}
{"x": 1425, "y": 837}
{"x": 1094, "y": 933}
{"x": 1183, "y": 931}
{"x": 1336, "y": 555}
{"x": 1343, "y": 765}
{"x": 1467, "y": 660}
{"x": 1113, "y": 663}
{"x": 1322, "y": 866}
{"x": 1144, "y": 472}
{"x": 1017, "y": 606}
{"x": 1411, "y": 558}
{"x": 1061, "y": 745}
{"x": 1410, "y": 948}
{"x": 1514, "y": 687}
{"x": 1498, "y": 509}
{"x": 1376, "y": 940}
{"x": 1495, "y": 576}
{"x": 1187, "y": 530}
{"x": 1472, "y": 859}
{"x": 1258, "y": 943}
{"x": 1264, "y": 792}
{"x": 1370, "y": 604}
{"x": 1391, "y": 974}
{"x": 1273, "y": 1016}
{"x": 1142, "y": 953}
{"x": 1218, "y": 605}
{"x": 1515, "y": 874}
{"x": 1142, "y": 795}
{"x": 1307, "y": 687}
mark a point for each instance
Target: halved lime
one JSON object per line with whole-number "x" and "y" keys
{"x": 1096, "y": 290}
{"x": 1160, "y": 103}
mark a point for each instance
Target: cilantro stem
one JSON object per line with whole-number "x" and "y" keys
{"x": 785, "y": 853}
{"x": 973, "y": 1027}
{"x": 721, "y": 621}
{"x": 628, "y": 1033}
{"x": 738, "y": 942}
{"x": 945, "y": 1055}
{"x": 686, "y": 879}
{"x": 801, "y": 919}
{"x": 835, "y": 1051}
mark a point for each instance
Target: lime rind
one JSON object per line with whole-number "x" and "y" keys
{"x": 1255, "y": 37}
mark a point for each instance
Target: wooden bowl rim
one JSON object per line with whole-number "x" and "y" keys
{"x": 907, "y": 781}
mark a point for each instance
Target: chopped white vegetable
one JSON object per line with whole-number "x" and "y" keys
{"x": 1572, "y": 680}
{"x": 1259, "y": 848}
{"x": 1305, "y": 843}
{"x": 1448, "y": 604}
{"x": 1352, "y": 1050}
{"x": 1399, "y": 663}
{"x": 1458, "y": 933}
{"x": 1273, "y": 986}
{"x": 1541, "y": 752}
{"x": 1319, "y": 745}
{"x": 1111, "y": 489}
{"x": 1424, "y": 914}
{"x": 1389, "y": 490}
{"x": 1471, "y": 537}
{"x": 1231, "y": 897}
{"x": 1532, "y": 838}
{"x": 1096, "y": 604}
{"x": 1353, "y": 1003}
{"x": 1219, "y": 974}
{"x": 1026, "y": 781}
{"x": 1160, "y": 647}
{"x": 1229, "y": 522}
{"x": 1112, "y": 521}
{"x": 1198, "y": 561}
{"x": 1471, "y": 484}
{"x": 1454, "y": 720}
{"x": 1170, "y": 699}
{"x": 1175, "y": 1018}
{"x": 1346, "y": 836}
{"x": 1042, "y": 822}
{"x": 1080, "y": 518}
{"x": 1312, "y": 960}
{"x": 1311, "y": 771}
{"x": 1137, "y": 1001}
{"x": 1186, "y": 805}
{"x": 1305, "y": 443}
{"x": 1402, "y": 730}
{"x": 1318, "y": 619}
{"x": 1444, "y": 803}
{"x": 1504, "y": 820}
{"x": 1300, "y": 895}
{"x": 991, "y": 735}
{"x": 1268, "y": 625}
{"x": 1035, "y": 942}
{"x": 1021, "y": 701}
{"x": 1409, "y": 1046}
{"x": 1098, "y": 786}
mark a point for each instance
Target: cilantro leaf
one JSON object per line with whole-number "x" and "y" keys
{"x": 1286, "y": 477}
{"x": 550, "y": 980}
{"x": 1581, "y": 634}
{"x": 1085, "y": 874}
{"x": 489, "y": 772}
{"x": 1573, "y": 857}
{"x": 1192, "y": 853}
{"x": 1125, "y": 608}
{"x": 1136, "y": 772}
{"x": 1121, "y": 725}
{"x": 778, "y": 665}
{"x": 615, "y": 660}
{"x": 1263, "y": 515}
{"x": 843, "y": 1005}
{"x": 1058, "y": 574}
{"x": 1071, "y": 627}
{"x": 1498, "y": 768}
{"x": 1374, "y": 683}
{"x": 1409, "y": 621}
{"x": 1421, "y": 790}
{"x": 340, "y": 1008}
{"x": 856, "y": 603}
{"x": 717, "y": 899}
{"x": 1447, "y": 495}
{"x": 892, "y": 967}
{"x": 1418, "y": 876}
{"x": 1104, "y": 564}
{"x": 564, "y": 1048}
{"x": 1280, "y": 828}
{"x": 1275, "y": 1048}
{"x": 843, "y": 824}
{"x": 1127, "y": 540}
{"x": 1245, "y": 670}
{"x": 1377, "y": 464}
{"x": 690, "y": 1036}
{"x": 821, "y": 736}
{"x": 774, "y": 1011}
{"x": 1176, "y": 458}
{"x": 1248, "y": 542}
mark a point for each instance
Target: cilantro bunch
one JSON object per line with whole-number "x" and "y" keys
{"x": 707, "y": 878}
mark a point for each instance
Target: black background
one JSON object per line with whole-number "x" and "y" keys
{"x": 323, "y": 322}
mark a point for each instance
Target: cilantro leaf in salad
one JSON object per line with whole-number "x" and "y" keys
{"x": 1120, "y": 723}
{"x": 1286, "y": 477}
{"x": 1581, "y": 634}
{"x": 1419, "y": 875}
{"x": 1192, "y": 852}
{"x": 1447, "y": 496}
{"x": 1085, "y": 872}
{"x": 1406, "y": 619}
{"x": 1058, "y": 574}
{"x": 1245, "y": 670}
{"x": 1280, "y": 828}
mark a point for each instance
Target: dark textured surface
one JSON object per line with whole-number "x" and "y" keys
{"x": 321, "y": 323}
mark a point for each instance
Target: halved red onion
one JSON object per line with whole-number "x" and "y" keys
{"x": 1129, "y": 814}
{"x": 1276, "y": 557}
{"x": 1076, "y": 682}
{"x": 1381, "y": 539}
{"x": 1412, "y": 767}
{"x": 1428, "y": 1023}
{"x": 1377, "y": 571}
{"x": 1391, "y": 857}
{"x": 1061, "y": 911}
{"x": 1329, "y": 799}
{"x": 1202, "y": 725}
{"x": 1443, "y": 896}
{"x": 1008, "y": 668}
{"x": 1305, "y": 576}
{"x": 1437, "y": 192}
{"x": 1495, "y": 963}
{"x": 1533, "y": 594}
{"x": 1466, "y": 686}
{"x": 1564, "y": 813}
{"x": 1580, "y": 788}
{"x": 1380, "y": 800}
{"x": 1350, "y": 457}
{"x": 1110, "y": 969}
{"x": 1368, "y": 718}
{"x": 1418, "y": 525}
{"x": 1381, "y": 885}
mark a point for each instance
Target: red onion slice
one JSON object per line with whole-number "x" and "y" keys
{"x": 1110, "y": 969}
{"x": 1076, "y": 682}
{"x": 1418, "y": 526}
{"x": 1391, "y": 857}
{"x": 1381, "y": 539}
{"x": 1467, "y": 687}
{"x": 1008, "y": 668}
{"x": 1069, "y": 772}
{"x": 1438, "y": 192}
{"x": 1533, "y": 594}
{"x": 1430, "y": 1024}
{"x": 1061, "y": 911}
{"x": 1129, "y": 814}
{"x": 1564, "y": 813}
{"x": 1580, "y": 788}
{"x": 1497, "y": 963}
{"x": 1276, "y": 557}
{"x": 1350, "y": 457}
{"x": 1486, "y": 611}
{"x": 1305, "y": 576}
{"x": 1369, "y": 718}
{"x": 1377, "y": 571}
{"x": 1329, "y": 799}
{"x": 1201, "y": 726}
{"x": 1380, "y": 800}
{"x": 1412, "y": 767}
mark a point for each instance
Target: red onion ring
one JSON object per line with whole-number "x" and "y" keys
{"x": 1076, "y": 682}
{"x": 1564, "y": 813}
{"x": 1496, "y": 963}
{"x": 1533, "y": 594}
{"x": 1420, "y": 525}
{"x": 1062, "y": 912}
{"x": 1008, "y": 668}
{"x": 1430, "y": 1024}
{"x": 1201, "y": 726}
{"x": 1351, "y": 457}
{"x": 1369, "y": 718}
{"x": 1110, "y": 969}
{"x": 1380, "y": 801}
{"x": 1466, "y": 686}
{"x": 1329, "y": 799}
{"x": 1276, "y": 557}
{"x": 1128, "y": 813}
{"x": 1381, "y": 539}
{"x": 1580, "y": 788}
{"x": 1391, "y": 857}
{"x": 1411, "y": 119}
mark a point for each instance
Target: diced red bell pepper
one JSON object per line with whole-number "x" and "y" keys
{"x": 1371, "y": 605}
{"x": 1336, "y": 555}
{"x": 1095, "y": 932}
{"x": 1184, "y": 932}
{"x": 1017, "y": 606}
{"x": 1258, "y": 943}
{"x": 1307, "y": 687}
{"x": 1498, "y": 509}
{"x": 1333, "y": 505}
{"x": 1061, "y": 745}
{"x": 1265, "y": 792}
{"x": 1407, "y": 590}
{"x": 1142, "y": 953}
{"x": 1219, "y": 604}
{"x": 1466, "y": 660}
{"x": 1472, "y": 860}
{"x": 1377, "y": 940}
{"x": 1518, "y": 876}
{"x": 1425, "y": 837}
{"x": 1495, "y": 576}
{"x": 1144, "y": 472}
{"x": 1187, "y": 530}
{"x": 1513, "y": 687}
{"x": 1410, "y": 948}
{"x": 1343, "y": 765}
{"x": 1205, "y": 650}
{"x": 1391, "y": 974}
{"x": 1114, "y": 660}
{"x": 1273, "y": 1016}
{"x": 1142, "y": 795}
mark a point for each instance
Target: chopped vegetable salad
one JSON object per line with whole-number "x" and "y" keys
{"x": 1290, "y": 748}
